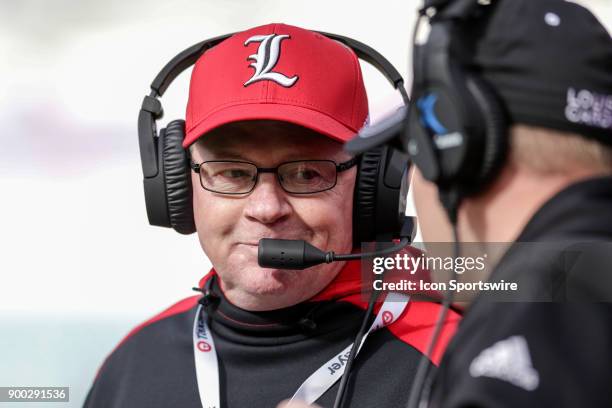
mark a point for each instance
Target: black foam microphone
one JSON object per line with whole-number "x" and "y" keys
{"x": 299, "y": 254}
{"x": 288, "y": 254}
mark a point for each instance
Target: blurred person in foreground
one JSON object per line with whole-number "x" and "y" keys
{"x": 266, "y": 146}
{"x": 549, "y": 64}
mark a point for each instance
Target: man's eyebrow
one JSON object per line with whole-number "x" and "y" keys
{"x": 222, "y": 154}
{"x": 294, "y": 155}
{"x": 306, "y": 156}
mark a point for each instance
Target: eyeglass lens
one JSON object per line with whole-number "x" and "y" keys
{"x": 300, "y": 177}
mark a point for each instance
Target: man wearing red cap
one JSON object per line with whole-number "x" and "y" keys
{"x": 268, "y": 111}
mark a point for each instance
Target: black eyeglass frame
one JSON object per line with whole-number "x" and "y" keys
{"x": 340, "y": 167}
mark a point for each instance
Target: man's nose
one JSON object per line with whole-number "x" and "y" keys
{"x": 267, "y": 203}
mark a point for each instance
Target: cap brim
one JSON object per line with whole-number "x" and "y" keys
{"x": 384, "y": 132}
{"x": 297, "y": 115}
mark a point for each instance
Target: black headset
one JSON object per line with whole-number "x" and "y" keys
{"x": 457, "y": 126}
{"x": 379, "y": 197}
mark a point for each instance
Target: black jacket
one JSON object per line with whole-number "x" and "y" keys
{"x": 554, "y": 347}
{"x": 264, "y": 357}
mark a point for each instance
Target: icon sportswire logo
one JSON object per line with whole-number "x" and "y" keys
{"x": 266, "y": 59}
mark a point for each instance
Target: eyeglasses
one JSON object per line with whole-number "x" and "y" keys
{"x": 295, "y": 177}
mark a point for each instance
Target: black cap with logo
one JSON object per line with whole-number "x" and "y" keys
{"x": 550, "y": 61}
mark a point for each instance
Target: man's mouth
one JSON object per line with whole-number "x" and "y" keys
{"x": 255, "y": 243}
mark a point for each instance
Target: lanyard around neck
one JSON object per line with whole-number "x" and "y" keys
{"x": 207, "y": 368}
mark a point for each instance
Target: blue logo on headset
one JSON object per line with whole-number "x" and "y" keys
{"x": 441, "y": 138}
{"x": 428, "y": 117}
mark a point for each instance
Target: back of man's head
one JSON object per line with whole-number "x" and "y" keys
{"x": 550, "y": 62}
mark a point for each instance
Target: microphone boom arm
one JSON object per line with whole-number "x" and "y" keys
{"x": 299, "y": 254}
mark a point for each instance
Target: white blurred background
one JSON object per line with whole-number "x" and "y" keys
{"x": 79, "y": 263}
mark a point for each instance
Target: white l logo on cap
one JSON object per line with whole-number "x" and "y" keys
{"x": 266, "y": 59}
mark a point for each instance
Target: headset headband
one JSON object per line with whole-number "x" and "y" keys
{"x": 167, "y": 181}
{"x": 457, "y": 9}
{"x": 151, "y": 109}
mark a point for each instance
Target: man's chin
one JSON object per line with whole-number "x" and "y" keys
{"x": 254, "y": 288}
{"x": 263, "y": 281}
{"x": 271, "y": 281}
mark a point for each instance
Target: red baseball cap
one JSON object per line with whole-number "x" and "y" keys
{"x": 278, "y": 72}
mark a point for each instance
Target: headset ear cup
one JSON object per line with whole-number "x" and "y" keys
{"x": 496, "y": 129}
{"x": 364, "y": 201}
{"x": 177, "y": 178}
